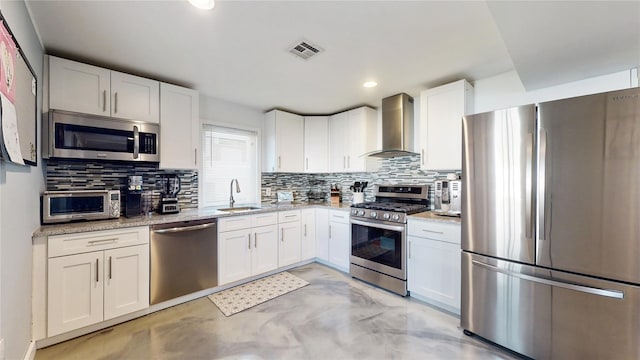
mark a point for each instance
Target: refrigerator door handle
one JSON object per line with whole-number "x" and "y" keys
{"x": 542, "y": 170}
{"x": 616, "y": 294}
{"x": 529, "y": 211}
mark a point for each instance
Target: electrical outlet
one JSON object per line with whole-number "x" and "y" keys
{"x": 267, "y": 191}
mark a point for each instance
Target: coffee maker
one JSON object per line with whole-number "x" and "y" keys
{"x": 133, "y": 201}
{"x": 447, "y": 196}
{"x": 169, "y": 197}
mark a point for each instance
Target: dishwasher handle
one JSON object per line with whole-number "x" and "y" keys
{"x": 184, "y": 228}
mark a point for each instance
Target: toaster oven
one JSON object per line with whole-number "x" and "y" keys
{"x": 65, "y": 206}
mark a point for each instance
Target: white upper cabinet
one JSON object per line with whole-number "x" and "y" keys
{"x": 316, "y": 144}
{"x": 134, "y": 97}
{"x": 352, "y": 134}
{"x": 179, "y": 127}
{"x": 441, "y": 112}
{"x": 79, "y": 87}
{"x": 89, "y": 89}
{"x": 283, "y": 142}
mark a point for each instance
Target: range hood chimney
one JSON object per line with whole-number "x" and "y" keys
{"x": 397, "y": 127}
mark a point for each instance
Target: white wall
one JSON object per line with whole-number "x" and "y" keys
{"x": 506, "y": 90}
{"x": 214, "y": 110}
{"x": 20, "y": 187}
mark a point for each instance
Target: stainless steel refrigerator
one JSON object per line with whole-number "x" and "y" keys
{"x": 551, "y": 227}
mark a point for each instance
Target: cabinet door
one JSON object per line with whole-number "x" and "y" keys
{"x": 134, "y": 97}
{"x": 74, "y": 86}
{"x": 316, "y": 144}
{"x": 75, "y": 292}
{"x": 308, "y": 245}
{"x": 265, "y": 249}
{"x": 339, "y": 244}
{"x": 444, "y": 108}
{"x": 434, "y": 271}
{"x": 289, "y": 246}
{"x": 180, "y": 127}
{"x": 289, "y": 142}
{"x": 338, "y": 135}
{"x": 234, "y": 256}
{"x": 361, "y": 137}
{"x": 126, "y": 280}
{"x": 322, "y": 234}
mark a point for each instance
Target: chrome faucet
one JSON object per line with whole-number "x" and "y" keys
{"x": 231, "y": 199}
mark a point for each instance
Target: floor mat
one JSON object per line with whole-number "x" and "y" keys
{"x": 242, "y": 297}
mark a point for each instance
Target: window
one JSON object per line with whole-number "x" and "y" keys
{"x": 229, "y": 154}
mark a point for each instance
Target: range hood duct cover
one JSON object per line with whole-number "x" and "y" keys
{"x": 397, "y": 127}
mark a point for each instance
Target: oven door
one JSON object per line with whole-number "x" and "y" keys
{"x": 380, "y": 247}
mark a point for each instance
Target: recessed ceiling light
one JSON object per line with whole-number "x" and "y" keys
{"x": 370, "y": 84}
{"x": 203, "y": 4}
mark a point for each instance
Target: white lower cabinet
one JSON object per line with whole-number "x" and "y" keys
{"x": 434, "y": 269}
{"x": 322, "y": 234}
{"x": 88, "y": 287}
{"x": 245, "y": 250}
{"x": 308, "y": 237}
{"x": 290, "y": 240}
{"x": 339, "y": 239}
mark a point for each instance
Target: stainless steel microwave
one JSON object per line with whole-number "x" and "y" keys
{"x": 80, "y": 136}
{"x": 64, "y": 206}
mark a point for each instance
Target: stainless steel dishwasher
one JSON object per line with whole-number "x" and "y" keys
{"x": 184, "y": 258}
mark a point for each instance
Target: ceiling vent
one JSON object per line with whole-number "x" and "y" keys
{"x": 305, "y": 49}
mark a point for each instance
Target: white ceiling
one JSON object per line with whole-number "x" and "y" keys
{"x": 238, "y": 51}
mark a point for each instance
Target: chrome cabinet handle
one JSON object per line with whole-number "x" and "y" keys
{"x": 282, "y": 234}
{"x": 279, "y": 162}
{"x": 307, "y": 160}
{"x": 329, "y": 231}
{"x": 110, "y": 268}
{"x": 616, "y": 294}
{"x": 104, "y": 100}
{"x": 432, "y": 231}
{"x": 97, "y": 270}
{"x": 115, "y": 102}
{"x": 255, "y": 240}
{"x": 344, "y": 162}
{"x": 99, "y": 242}
{"x": 409, "y": 250}
{"x": 195, "y": 156}
{"x": 249, "y": 235}
{"x": 305, "y": 230}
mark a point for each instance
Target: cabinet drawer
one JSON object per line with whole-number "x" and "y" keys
{"x": 234, "y": 223}
{"x": 290, "y": 215}
{"x": 435, "y": 230}
{"x": 59, "y": 245}
{"x": 339, "y": 216}
{"x": 264, "y": 219}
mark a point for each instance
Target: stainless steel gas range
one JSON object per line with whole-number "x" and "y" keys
{"x": 378, "y": 235}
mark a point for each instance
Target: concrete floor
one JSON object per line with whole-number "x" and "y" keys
{"x": 335, "y": 317}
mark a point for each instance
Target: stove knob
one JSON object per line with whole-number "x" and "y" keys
{"x": 373, "y": 214}
{"x": 354, "y": 212}
{"x": 395, "y": 217}
{"x": 386, "y": 216}
{"x": 361, "y": 212}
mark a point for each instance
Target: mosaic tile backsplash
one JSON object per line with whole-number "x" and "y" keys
{"x": 399, "y": 170}
{"x": 99, "y": 175}
{"x": 84, "y": 175}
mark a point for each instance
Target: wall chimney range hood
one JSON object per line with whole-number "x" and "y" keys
{"x": 397, "y": 127}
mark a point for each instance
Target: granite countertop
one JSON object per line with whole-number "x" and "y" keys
{"x": 431, "y": 215}
{"x": 184, "y": 215}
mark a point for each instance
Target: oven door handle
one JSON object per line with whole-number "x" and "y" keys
{"x": 400, "y": 228}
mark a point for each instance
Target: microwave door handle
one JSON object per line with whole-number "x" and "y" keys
{"x": 136, "y": 142}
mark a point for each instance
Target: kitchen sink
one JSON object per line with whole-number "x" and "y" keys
{"x": 240, "y": 209}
